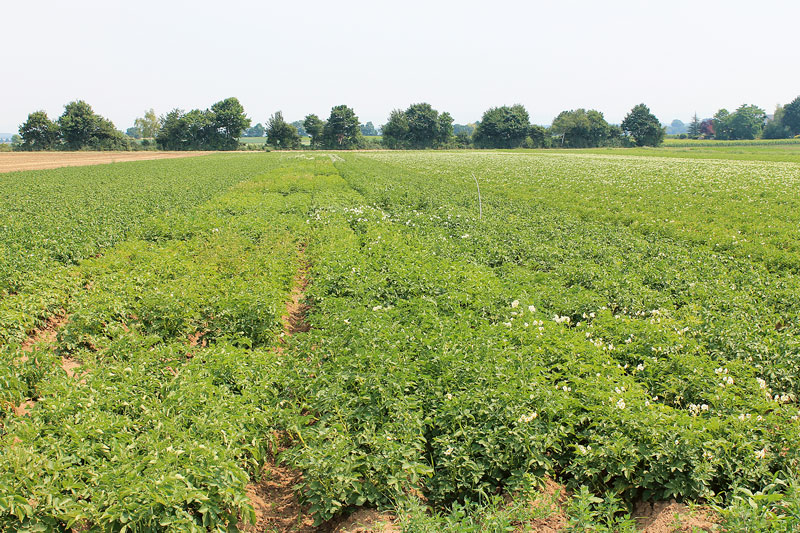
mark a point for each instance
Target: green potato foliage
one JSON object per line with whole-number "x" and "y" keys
{"x": 625, "y": 325}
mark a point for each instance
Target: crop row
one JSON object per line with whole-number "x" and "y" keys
{"x": 172, "y": 410}
{"x": 451, "y": 355}
{"x": 51, "y": 220}
{"x": 627, "y": 326}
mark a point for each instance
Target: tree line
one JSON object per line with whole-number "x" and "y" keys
{"x": 748, "y": 122}
{"x": 78, "y": 128}
{"x": 419, "y": 126}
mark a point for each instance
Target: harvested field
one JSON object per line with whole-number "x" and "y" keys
{"x": 16, "y": 161}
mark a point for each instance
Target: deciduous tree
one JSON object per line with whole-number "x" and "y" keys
{"x": 722, "y": 129}
{"x": 82, "y": 128}
{"x": 747, "y": 122}
{"x": 281, "y": 134}
{"x": 395, "y": 131}
{"x": 791, "y": 116}
{"x": 314, "y": 127}
{"x": 148, "y": 124}
{"x": 38, "y": 132}
{"x": 643, "y": 126}
{"x": 78, "y": 125}
{"x": 707, "y": 127}
{"x": 218, "y": 128}
{"x": 229, "y": 121}
{"x": 301, "y": 130}
{"x": 342, "y": 131}
{"x": 418, "y": 127}
{"x": 581, "y": 128}
{"x": 502, "y": 127}
{"x": 775, "y": 128}
{"x": 255, "y": 131}
{"x": 368, "y": 129}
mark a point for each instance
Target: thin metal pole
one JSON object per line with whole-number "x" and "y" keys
{"x": 480, "y": 204}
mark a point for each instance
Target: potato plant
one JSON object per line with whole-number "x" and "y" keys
{"x": 627, "y": 326}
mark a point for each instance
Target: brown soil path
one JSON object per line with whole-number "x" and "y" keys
{"x": 294, "y": 320}
{"x": 15, "y": 161}
{"x": 273, "y": 497}
{"x": 657, "y": 517}
{"x": 46, "y": 335}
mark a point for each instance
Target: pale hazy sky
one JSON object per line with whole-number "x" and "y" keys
{"x": 464, "y": 56}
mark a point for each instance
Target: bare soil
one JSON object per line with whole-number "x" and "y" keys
{"x": 276, "y": 505}
{"x": 651, "y": 517}
{"x": 366, "y": 521}
{"x": 15, "y": 161}
{"x": 46, "y": 335}
{"x": 274, "y": 498}
{"x": 279, "y": 511}
{"x": 672, "y": 517}
{"x": 294, "y": 320}
{"x": 552, "y": 498}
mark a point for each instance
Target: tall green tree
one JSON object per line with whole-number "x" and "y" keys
{"x": 218, "y": 128}
{"x": 469, "y": 129}
{"x": 538, "y": 137}
{"x": 418, "y": 127}
{"x": 281, "y": 134}
{"x": 581, "y": 128}
{"x": 39, "y": 132}
{"x": 202, "y": 131}
{"x": 194, "y": 130}
{"x": 747, "y": 122}
{"x": 255, "y": 131}
{"x": 82, "y": 128}
{"x": 301, "y": 130}
{"x": 314, "y": 127}
{"x": 444, "y": 130}
{"x": 173, "y": 133}
{"x": 722, "y": 129}
{"x": 133, "y": 132}
{"x": 395, "y": 131}
{"x": 694, "y": 127}
{"x": 78, "y": 125}
{"x": 368, "y": 129}
{"x": 422, "y": 125}
{"x": 775, "y": 128}
{"x": 502, "y": 127}
{"x": 791, "y": 116}
{"x": 643, "y": 126}
{"x": 342, "y": 131}
{"x": 148, "y": 124}
{"x": 230, "y": 122}
{"x": 676, "y": 127}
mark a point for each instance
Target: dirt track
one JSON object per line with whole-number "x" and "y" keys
{"x": 14, "y": 161}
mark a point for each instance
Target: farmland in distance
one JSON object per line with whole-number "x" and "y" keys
{"x": 623, "y": 327}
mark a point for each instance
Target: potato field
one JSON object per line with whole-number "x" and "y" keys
{"x": 626, "y": 327}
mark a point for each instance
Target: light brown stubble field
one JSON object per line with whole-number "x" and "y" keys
{"x": 14, "y": 161}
